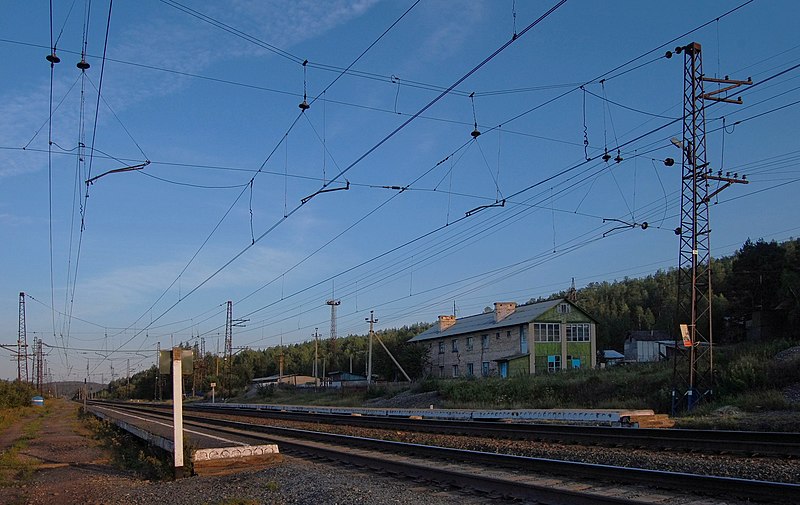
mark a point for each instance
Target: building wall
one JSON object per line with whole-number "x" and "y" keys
{"x": 507, "y": 343}
{"x": 566, "y": 350}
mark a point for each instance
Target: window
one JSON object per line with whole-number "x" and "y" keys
{"x": 455, "y": 345}
{"x": 484, "y": 341}
{"x": 485, "y": 368}
{"x": 455, "y": 370}
{"x": 508, "y": 334}
{"x": 470, "y": 369}
{"x": 497, "y": 335}
{"x": 469, "y": 343}
{"x": 441, "y": 372}
{"x": 554, "y": 363}
{"x": 564, "y": 308}
{"x": 546, "y": 332}
{"x": 578, "y": 332}
{"x": 441, "y": 347}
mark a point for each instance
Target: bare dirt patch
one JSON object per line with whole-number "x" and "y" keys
{"x": 68, "y": 465}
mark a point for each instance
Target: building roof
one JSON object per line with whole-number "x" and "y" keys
{"x": 485, "y": 321}
{"x": 612, "y": 354}
{"x": 648, "y": 335}
{"x": 513, "y": 357}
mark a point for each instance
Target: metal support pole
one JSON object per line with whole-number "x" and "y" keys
{"x": 316, "y": 357}
{"x": 371, "y": 321}
{"x": 177, "y": 410}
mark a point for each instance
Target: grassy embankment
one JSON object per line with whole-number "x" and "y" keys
{"x": 748, "y": 380}
{"x": 15, "y": 399}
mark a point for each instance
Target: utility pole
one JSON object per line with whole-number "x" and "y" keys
{"x": 158, "y": 372}
{"x": 230, "y": 323}
{"x": 316, "y": 356}
{"x": 38, "y": 374}
{"x": 22, "y": 343}
{"x": 371, "y": 322}
{"x": 280, "y": 362}
{"x": 694, "y": 363}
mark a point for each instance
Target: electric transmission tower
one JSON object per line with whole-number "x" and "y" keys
{"x": 333, "y": 303}
{"x": 694, "y": 362}
{"x": 38, "y": 360}
{"x": 230, "y": 323}
{"x": 22, "y": 343}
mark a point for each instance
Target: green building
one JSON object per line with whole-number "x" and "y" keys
{"x": 512, "y": 340}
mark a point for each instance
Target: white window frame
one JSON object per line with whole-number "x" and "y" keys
{"x": 578, "y": 332}
{"x": 546, "y": 332}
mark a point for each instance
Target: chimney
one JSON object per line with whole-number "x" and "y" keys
{"x": 446, "y": 322}
{"x": 503, "y": 309}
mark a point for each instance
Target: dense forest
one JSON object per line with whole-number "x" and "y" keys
{"x": 761, "y": 276}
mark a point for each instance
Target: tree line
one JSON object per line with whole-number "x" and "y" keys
{"x": 759, "y": 276}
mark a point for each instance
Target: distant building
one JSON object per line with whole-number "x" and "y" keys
{"x": 648, "y": 345}
{"x": 512, "y": 340}
{"x": 290, "y": 379}
{"x": 345, "y": 380}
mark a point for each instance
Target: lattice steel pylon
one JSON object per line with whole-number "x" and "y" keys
{"x": 228, "y": 353}
{"x": 230, "y": 323}
{"x": 333, "y": 303}
{"x": 694, "y": 360}
{"x": 38, "y": 363}
{"x": 22, "y": 343}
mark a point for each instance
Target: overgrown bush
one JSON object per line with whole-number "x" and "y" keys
{"x": 15, "y": 394}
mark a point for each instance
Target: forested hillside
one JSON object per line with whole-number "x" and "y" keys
{"x": 761, "y": 275}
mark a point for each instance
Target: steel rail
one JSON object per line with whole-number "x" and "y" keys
{"x": 719, "y": 441}
{"x": 702, "y": 484}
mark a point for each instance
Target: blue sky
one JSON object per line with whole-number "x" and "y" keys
{"x": 164, "y": 248}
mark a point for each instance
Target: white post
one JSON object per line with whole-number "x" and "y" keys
{"x": 177, "y": 408}
{"x": 213, "y": 393}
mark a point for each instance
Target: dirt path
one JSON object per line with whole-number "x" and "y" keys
{"x": 69, "y": 466}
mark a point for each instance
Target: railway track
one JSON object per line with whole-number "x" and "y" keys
{"x": 509, "y": 476}
{"x": 711, "y": 441}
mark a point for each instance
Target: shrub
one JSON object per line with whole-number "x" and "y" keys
{"x": 15, "y": 394}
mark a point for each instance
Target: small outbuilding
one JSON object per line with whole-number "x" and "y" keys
{"x": 345, "y": 379}
{"x": 289, "y": 379}
{"x": 643, "y": 346}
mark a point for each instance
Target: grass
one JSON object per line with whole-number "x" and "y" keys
{"x": 133, "y": 454}
{"x": 748, "y": 380}
{"x": 15, "y": 469}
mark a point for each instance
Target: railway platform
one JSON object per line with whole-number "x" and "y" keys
{"x": 211, "y": 454}
{"x": 604, "y": 417}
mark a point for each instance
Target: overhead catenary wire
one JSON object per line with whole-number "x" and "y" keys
{"x": 286, "y": 216}
{"x": 189, "y": 179}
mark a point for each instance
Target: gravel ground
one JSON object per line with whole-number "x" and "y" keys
{"x": 293, "y": 481}
{"x": 758, "y": 468}
{"x": 74, "y": 469}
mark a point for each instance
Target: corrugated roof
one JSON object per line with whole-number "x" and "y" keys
{"x": 481, "y": 322}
